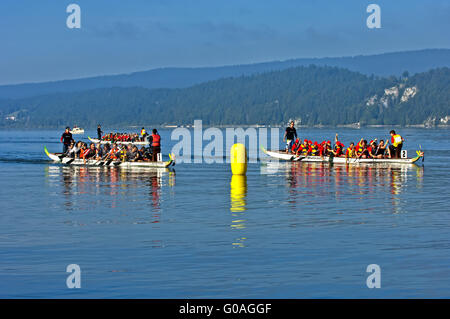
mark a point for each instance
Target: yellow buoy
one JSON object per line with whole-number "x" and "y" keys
{"x": 238, "y": 156}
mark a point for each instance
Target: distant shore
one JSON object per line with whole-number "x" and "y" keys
{"x": 190, "y": 126}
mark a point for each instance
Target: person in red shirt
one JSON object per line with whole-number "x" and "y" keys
{"x": 338, "y": 149}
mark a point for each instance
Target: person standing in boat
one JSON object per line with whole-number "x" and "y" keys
{"x": 143, "y": 134}
{"x": 289, "y": 136}
{"x": 156, "y": 145}
{"x": 99, "y": 132}
{"x": 395, "y": 148}
{"x": 66, "y": 139}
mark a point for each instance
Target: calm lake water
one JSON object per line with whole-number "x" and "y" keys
{"x": 284, "y": 231}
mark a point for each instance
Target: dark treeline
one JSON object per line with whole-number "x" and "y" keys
{"x": 316, "y": 95}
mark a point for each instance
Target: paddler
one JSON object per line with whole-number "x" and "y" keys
{"x": 156, "y": 145}
{"x": 362, "y": 151}
{"x": 113, "y": 153}
{"x": 289, "y": 136}
{"x": 66, "y": 139}
{"x": 338, "y": 149}
{"x": 296, "y": 145}
{"x": 395, "y": 148}
{"x": 350, "y": 151}
{"x": 303, "y": 148}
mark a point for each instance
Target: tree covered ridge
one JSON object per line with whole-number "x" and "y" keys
{"x": 316, "y": 95}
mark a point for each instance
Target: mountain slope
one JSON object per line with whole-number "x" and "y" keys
{"x": 382, "y": 65}
{"x": 315, "y": 95}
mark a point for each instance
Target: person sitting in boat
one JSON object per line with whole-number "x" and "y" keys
{"x": 295, "y": 145}
{"x": 351, "y": 152}
{"x": 88, "y": 153}
{"x": 382, "y": 149}
{"x": 133, "y": 154}
{"x": 98, "y": 152}
{"x": 82, "y": 150}
{"x": 326, "y": 148}
{"x": 123, "y": 152}
{"x": 300, "y": 147}
{"x": 143, "y": 134}
{"x": 372, "y": 149}
{"x": 114, "y": 153}
{"x": 76, "y": 150}
{"x": 289, "y": 136}
{"x": 145, "y": 153}
{"x": 71, "y": 151}
{"x": 129, "y": 150}
{"x": 338, "y": 149}
{"x": 359, "y": 146}
{"x": 106, "y": 149}
{"x": 362, "y": 151}
{"x": 395, "y": 148}
{"x": 314, "y": 150}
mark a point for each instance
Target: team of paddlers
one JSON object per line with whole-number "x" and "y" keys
{"x": 116, "y": 151}
{"x": 363, "y": 149}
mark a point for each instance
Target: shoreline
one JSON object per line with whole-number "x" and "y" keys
{"x": 256, "y": 126}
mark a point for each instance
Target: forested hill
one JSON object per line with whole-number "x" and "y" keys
{"x": 314, "y": 95}
{"x": 382, "y": 65}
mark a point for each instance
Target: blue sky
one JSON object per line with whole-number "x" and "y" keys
{"x": 135, "y": 35}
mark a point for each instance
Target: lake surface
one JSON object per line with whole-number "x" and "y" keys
{"x": 286, "y": 230}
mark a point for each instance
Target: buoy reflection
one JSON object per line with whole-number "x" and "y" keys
{"x": 238, "y": 193}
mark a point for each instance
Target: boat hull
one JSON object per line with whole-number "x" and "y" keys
{"x": 281, "y": 155}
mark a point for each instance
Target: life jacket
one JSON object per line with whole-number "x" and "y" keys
{"x": 143, "y": 132}
{"x": 156, "y": 138}
{"x": 84, "y": 153}
{"x": 123, "y": 154}
{"x": 112, "y": 153}
{"x": 338, "y": 149}
{"x": 350, "y": 152}
{"x": 313, "y": 149}
{"x": 396, "y": 140}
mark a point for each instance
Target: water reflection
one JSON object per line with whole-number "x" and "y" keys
{"x": 112, "y": 181}
{"x": 341, "y": 181}
{"x": 238, "y": 202}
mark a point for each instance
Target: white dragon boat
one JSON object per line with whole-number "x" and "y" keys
{"x": 282, "y": 155}
{"x": 60, "y": 158}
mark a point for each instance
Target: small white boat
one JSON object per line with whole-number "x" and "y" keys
{"x": 96, "y": 141}
{"x": 60, "y": 158}
{"x": 282, "y": 155}
{"x": 77, "y": 130}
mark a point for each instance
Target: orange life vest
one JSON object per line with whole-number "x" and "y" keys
{"x": 156, "y": 140}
